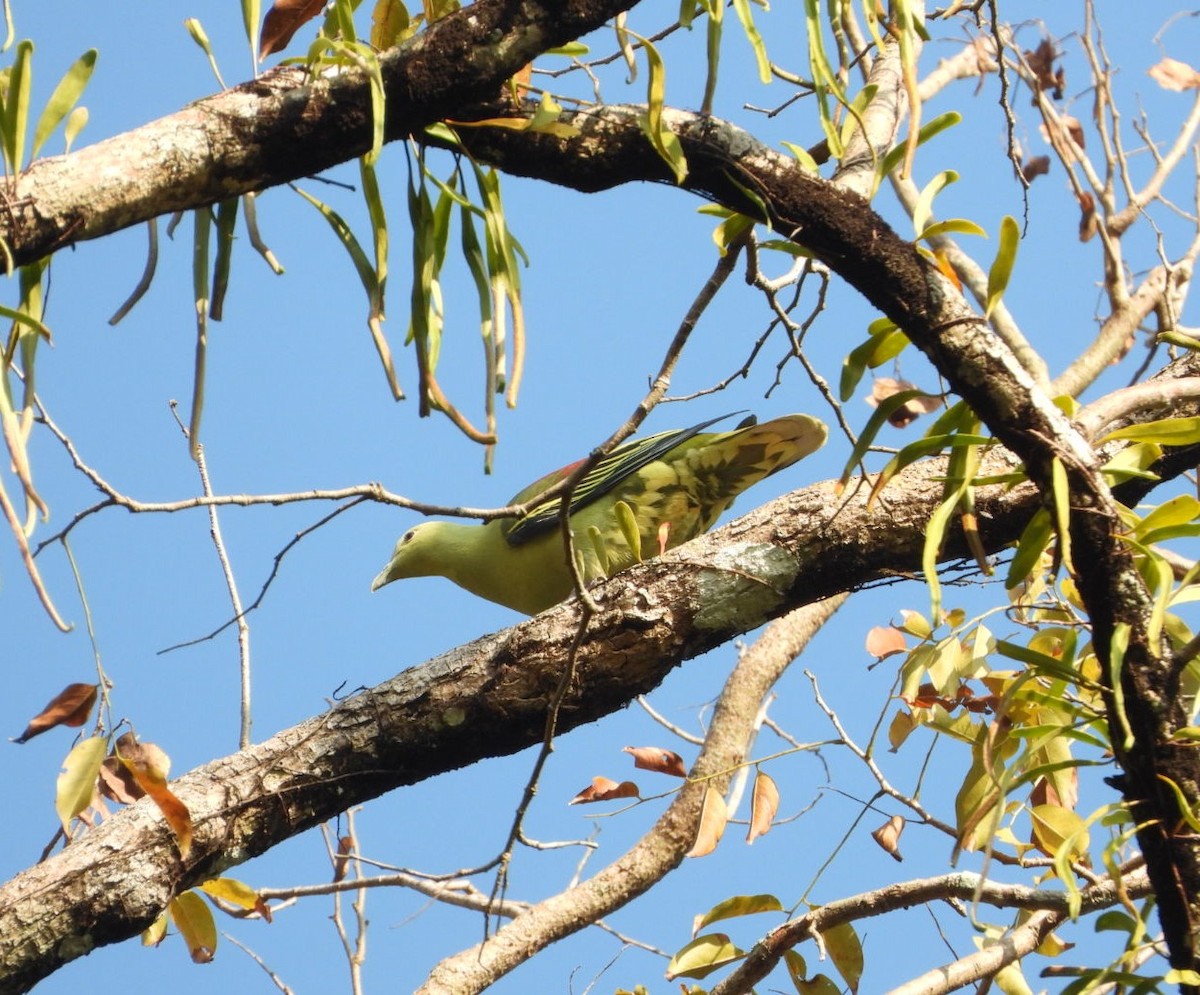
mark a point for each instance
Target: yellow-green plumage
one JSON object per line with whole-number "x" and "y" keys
{"x": 676, "y": 484}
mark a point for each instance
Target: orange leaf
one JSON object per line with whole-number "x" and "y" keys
{"x": 283, "y": 20}
{"x": 149, "y": 765}
{"x": 70, "y": 707}
{"x": 884, "y": 640}
{"x": 342, "y": 858}
{"x": 653, "y": 758}
{"x": 602, "y": 790}
{"x": 764, "y": 803}
{"x": 888, "y": 835}
{"x": 713, "y": 817}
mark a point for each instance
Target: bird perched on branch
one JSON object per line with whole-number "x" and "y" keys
{"x": 645, "y": 497}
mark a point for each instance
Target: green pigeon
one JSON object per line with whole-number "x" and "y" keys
{"x": 647, "y": 496}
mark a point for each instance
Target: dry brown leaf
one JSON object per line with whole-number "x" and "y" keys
{"x": 341, "y": 859}
{"x": 150, "y": 765}
{"x": 1041, "y": 62}
{"x": 713, "y": 817}
{"x": 283, "y": 20}
{"x": 657, "y": 759}
{"x": 116, "y": 782}
{"x": 1034, "y": 166}
{"x": 1171, "y": 74}
{"x": 603, "y": 789}
{"x": 884, "y": 640}
{"x": 1088, "y": 222}
{"x": 888, "y": 835}
{"x": 911, "y": 410}
{"x": 70, "y": 707}
{"x": 764, "y": 803}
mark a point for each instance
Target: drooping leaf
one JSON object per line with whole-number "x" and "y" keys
{"x": 150, "y": 765}
{"x": 70, "y": 707}
{"x": 713, "y": 817}
{"x": 283, "y": 20}
{"x": 764, "y": 804}
{"x": 888, "y": 836}
{"x": 77, "y": 782}
{"x": 845, "y": 950}
{"x": 194, "y": 920}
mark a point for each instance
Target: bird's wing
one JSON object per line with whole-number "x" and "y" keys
{"x": 608, "y": 473}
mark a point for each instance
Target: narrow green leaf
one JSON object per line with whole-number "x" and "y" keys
{"x": 754, "y": 36}
{"x": 76, "y": 121}
{"x": 362, "y": 265}
{"x": 227, "y": 212}
{"x": 1061, "y": 491}
{"x": 16, "y": 107}
{"x": 923, "y": 210}
{"x": 960, "y": 226}
{"x": 665, "y": 141}
{"x": 927, "y": 131}
{"x": 1164, "y": 432}
{"x": 804, "y": 157}
{"x": 876, "y": 422}
{"x": 64, "y": 97}
{"x": 1030, "y": 547}
{"x": 1002, "y": 265}
{"x": 200, "y": 37}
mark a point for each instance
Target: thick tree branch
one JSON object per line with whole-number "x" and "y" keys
{"x": 488, "y": 698}
{"x": 283, "y": 126}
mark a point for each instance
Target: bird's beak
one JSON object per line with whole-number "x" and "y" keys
{"x": 382, "y": 578}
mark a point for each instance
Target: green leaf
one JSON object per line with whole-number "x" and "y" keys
{"x": 64, "y": 97}
{"x": 1164, "y": 432}
{"x": 1002, "y": 265}
{"x": 845, "y": 950}
{"x": 876, "y": 422}
{"x": 739, "y": 905}
{"x": 959, "y": 225}
{"x": 194, "y": 920}
{"x": 703, "y": 956}
{"x": 76, "y": 121}
{"x": 200, "y": 37}
{"x": 923, "y": 209}
{"x": 742, "y": 9}
{"x": 15, "y": 118}
{"x": 664, "y": 140}
{"x": 77, "y": 782}
{"x": 803, "y": 156}
{"x": 1030, "y": 546}
{"x": 927, "y": 131}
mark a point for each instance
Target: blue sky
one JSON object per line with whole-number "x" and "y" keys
{"x": 297, "y": 401}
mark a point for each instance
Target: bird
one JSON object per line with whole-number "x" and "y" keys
{"x": 649, "y": 494}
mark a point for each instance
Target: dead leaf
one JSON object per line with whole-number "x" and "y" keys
{"x": 657, "y": 759}
{"x": 70, "y": 707}
{"x": 150, "y": 765}
{"x": 1088, "y": 222}
{"x": 1034, "y": 166}
{"x": 888, "y": 835}
{"x": 884, "y": 640}
{"x": 116, "y": 782}
{"x": 341, "y": 859}
{"x": 1171, "y": 74}
{"x": 283, "y": 20}
{"x": 911, "y": 410}
{"x": 1041, "y": 64}
{"x": 713, "y": 817}
{"x": 602, "y": 789}
{"x": 764, "y": 803}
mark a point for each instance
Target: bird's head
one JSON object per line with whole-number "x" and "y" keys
{"x": 418, "y": 553}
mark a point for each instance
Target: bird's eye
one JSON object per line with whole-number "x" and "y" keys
{"x": 407, "y": 537}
